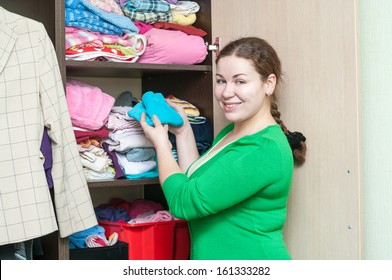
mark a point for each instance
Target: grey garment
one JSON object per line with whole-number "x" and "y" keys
{"x": 140, "y": 154}
{"x": 126, "y": 99}
{"x": 24, "y": 250}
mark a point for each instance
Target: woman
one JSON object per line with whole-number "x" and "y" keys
{"x": 235, "y": 195}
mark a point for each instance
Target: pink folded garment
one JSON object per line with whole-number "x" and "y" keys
{"x": 88, "y": 106}
{"x": 160, "y": 216}
{"x": 141, "y": 207}
{"x": 173, "y": 47}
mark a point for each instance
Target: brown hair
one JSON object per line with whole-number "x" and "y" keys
{"x": 266, "y": 62}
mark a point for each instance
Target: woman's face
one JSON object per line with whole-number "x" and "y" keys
{"x": 239, "y": 89}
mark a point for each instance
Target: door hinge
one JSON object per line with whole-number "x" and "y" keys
{"x": 215, "y": 46}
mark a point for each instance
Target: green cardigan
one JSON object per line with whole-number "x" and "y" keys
{"x": 236, "y": 202}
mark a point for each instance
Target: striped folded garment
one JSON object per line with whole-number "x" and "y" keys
{"x": 190, "y": 109}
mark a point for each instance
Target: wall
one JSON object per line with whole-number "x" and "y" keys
{"x": 375, "y": 18}
{"x": 317, "y": 44}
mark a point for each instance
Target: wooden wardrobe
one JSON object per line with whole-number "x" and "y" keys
{"x": 317, "y": 43}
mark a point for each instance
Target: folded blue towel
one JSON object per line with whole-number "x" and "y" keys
{"x": 136, "y": 113}
{"x": 155, "y": 104}
{"x": 84, "y": 15}
{"x": 77, "y": 239}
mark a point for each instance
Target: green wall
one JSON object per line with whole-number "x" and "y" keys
{"x": 375, "y": 54}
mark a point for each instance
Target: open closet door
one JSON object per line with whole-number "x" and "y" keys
{"x": 317, "y": 44}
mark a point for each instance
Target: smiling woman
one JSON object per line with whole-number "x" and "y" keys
{"x": 248, "y": 72}
{"x": 239, "y": 188}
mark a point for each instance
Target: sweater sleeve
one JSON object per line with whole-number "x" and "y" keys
{"x": 236, "y": 173}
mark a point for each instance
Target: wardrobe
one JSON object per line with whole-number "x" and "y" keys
{"x": 318, "y": 46}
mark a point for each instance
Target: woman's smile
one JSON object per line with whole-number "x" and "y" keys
{"x": 231, "y": 106}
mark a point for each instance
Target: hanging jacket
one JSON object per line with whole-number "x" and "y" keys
{"x": 32, "y": 97}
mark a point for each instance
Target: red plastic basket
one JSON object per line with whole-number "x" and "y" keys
{"x": 167, "y": 240}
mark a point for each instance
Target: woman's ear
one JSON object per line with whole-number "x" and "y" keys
{"x": 270, "y": 84}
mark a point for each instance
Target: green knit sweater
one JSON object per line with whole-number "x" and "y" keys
{"x": 236, "y": 202}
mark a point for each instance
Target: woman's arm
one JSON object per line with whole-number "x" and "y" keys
{"x": 158, "y": 136}
{"x": 186, "y": 147}
{"x": 185, "y": 140}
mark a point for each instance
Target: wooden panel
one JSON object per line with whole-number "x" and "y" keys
{"x": 39, "y": 10}
{"x": 127, "y": 70}
{"x": 104, "y": 195}
{"x": 317, "y": 43}
{"x": 97, "y": 184}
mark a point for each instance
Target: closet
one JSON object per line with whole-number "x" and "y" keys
{"x": 317, "y": 43}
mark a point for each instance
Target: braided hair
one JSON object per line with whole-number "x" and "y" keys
{"x": 296, "y": 139}
{"x": 266, "y": 62}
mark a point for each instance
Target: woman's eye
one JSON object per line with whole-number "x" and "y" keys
{"x": 220, "y": 81}
{"x": 240, "y": 82}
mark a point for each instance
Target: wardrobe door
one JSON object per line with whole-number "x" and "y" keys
{"x": 317, "y": 43}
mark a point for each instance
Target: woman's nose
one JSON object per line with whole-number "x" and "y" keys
{"x": 228, "y": 91}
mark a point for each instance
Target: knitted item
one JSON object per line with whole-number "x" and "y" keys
{"x": 136, "y": 113}
{"x": 155, "y": 104}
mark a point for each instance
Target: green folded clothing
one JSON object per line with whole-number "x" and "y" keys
{"x": 155, "y": 104}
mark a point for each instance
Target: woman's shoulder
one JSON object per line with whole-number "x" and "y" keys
{"x": 272, "y": 134}
{"x": 268, "y": 140}
{"x": 223, "y": 132}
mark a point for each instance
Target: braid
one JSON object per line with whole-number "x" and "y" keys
{"x": 276, "y": 114}
{"x": 296, "y": 139}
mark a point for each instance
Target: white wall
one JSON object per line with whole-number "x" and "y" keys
{"x": 375, "y": 25}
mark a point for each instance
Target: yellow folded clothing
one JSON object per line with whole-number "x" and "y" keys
{"x": 189, "y": 108}
{"x": 184, "y": 19}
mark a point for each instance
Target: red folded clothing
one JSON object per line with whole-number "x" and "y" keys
{"x": 188, "y": 29}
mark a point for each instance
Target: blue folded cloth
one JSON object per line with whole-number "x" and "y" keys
{"x": 155, "y": 104}
{"x": 145, "y": 175}
{"x": 77, "y": 239}
{"x": 84, "y": 15}
{"x": 111, "y": 214}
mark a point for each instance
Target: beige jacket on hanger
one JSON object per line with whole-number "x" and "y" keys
{"x": 31, "y": 97}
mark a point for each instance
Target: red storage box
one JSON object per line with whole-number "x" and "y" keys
{"x": 167, "y": 240}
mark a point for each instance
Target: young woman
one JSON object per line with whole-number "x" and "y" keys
{"x": 235, "y": 195}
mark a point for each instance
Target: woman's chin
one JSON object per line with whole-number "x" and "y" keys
{"x": 231, "y": 117}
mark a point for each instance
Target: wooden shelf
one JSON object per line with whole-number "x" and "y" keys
{"x": 128, "y": 70}
{"x": 121, "y": 183}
